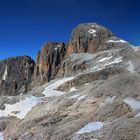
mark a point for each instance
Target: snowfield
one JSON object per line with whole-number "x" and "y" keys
{"x": 22, "y": 107}
{"x": 90, "y": 127}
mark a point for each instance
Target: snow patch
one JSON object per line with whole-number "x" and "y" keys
{"x": 22, "y": 107}
{"x": 81, "y": 97}
{"x": 132, "y": 102}
{"x": 105, "y": 59}
{"x": 135, "y": 48}
{"x": 73, "y": 89}
{"x": 117, "y": 60}
{"x": 92, "y": 31}
{"x": 90, "y": 127}
{"x": 99, "y": 66}
{"x": 87, "y": 84}
{"x": 117, "y": 41}
{"x": 1, "y": 136}
{"x": 110, "y": 100}
{"x": 5, "y": 74}
{"x": 74, "y": 96}
{"x": 130, "y": 66}
{"x": 50, "y": 90}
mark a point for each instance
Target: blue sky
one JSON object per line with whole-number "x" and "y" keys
{"x": 26, "y": 24}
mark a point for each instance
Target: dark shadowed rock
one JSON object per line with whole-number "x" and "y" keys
{"x": 15, "y": 75}
{"x": 48, "y": 61}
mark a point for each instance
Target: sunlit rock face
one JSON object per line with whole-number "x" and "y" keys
{"x": 48, "y": 61}
{"x": 15, "y": 75}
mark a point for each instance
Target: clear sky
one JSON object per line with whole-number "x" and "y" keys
{"x": 26, "y": 24}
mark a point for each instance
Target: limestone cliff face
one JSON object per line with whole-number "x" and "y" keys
{"x": 48, "y": 61}
{"x": 15, "y": 75}
{"x": 88, "y": 37}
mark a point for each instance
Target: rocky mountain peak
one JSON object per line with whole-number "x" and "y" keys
{"x": 88, "y": 37}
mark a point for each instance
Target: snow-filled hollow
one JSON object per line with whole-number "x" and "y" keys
{"x": 22, "y": 107}
{"x": 90, "y": 127}
{"x": 50, "y": 90}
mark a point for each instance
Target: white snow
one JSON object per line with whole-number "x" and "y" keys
{"x": 90, "y": 127}
{"x": 135, "y": 48}
{"x": 110, "y": 100}
{"x": 74, "y": 96}
{"x": 92, "y": 31}
{"x": 1, "y": 136}
{"x": 73, "y": 89}
{"x": 22, "y": 107}
{"x": 101, "y": 66}
{"x": 50, "y": 89}
{"x": 132, "y": 102}
{"x": 5, "y": 74}
{"x": 117, "y": 41}
{"x": 95, "y": 26}
{"x": 130, "y": 66}
{"x": 105, "y": 59}
{"x": 87, "y": 84}
{"x": 117, "y": 60}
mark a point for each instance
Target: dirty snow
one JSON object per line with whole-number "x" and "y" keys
{"x": 1, "y": 136}
{"x": 73, "y": 89}
{"x": 5, "y": 74}
{"x": 92, "y": 31}
{"x": 117, "y": 41}
{"x": 130, "y": 66}
{"x": 132, "y": 102}
{"x": 110, "y": 100}
{"x": 50, "y": 90}
{"x": 90, "y": 127}
{"x": 22, "y": 107}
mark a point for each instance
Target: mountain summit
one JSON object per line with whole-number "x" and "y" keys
{"x": 87, "y": 89}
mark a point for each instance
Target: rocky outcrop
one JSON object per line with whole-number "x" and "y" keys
{"x": 15, "y": 75}
{"x": 48, "y": 61}
{"x": 88, "y": 37}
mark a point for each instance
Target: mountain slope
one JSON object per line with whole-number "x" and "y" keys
{"x": 93, "y": 94}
